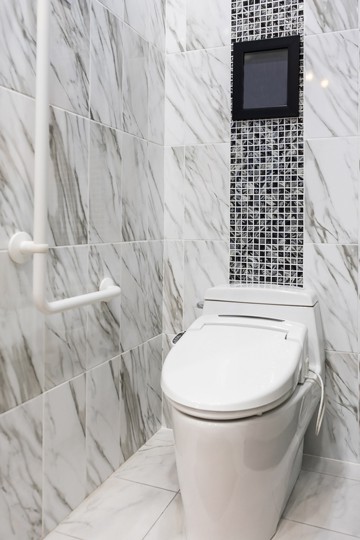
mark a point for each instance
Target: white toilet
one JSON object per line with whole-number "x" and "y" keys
{"x": 242, "y": 388}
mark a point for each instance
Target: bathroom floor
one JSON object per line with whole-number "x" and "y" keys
{"x": 141, "y": 501}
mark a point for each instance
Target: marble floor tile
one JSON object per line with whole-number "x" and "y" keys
{"x": 154, "y": 464}
{"x": 118, "y": 509}
{"x": 58, "y": 536}
{"x": 330, "y": 16}
{"x": 289, "y": 530}
{"x": 326, "y": 501}
{"x": 170, "y": 524}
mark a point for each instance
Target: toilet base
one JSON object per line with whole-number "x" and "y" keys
{"x": 236, "y": 476}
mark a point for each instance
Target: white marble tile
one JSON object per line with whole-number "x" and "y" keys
{"x": 58, "y": 536}
{"x": 135, "y": 83}
{"x": 118, "y": 509}
{"x": 289, "y": 530}
{"x": 134, "y": 189}
{"x": 136, "y": 15}
{"x": 170, "y": 524}
{"x": 154, "y": 464}
{"x": 206, "y": 265}
{"x": 22, "y": 331}
{"x": 156, "y": 23}
{"x": 166, "y": 407}
{"x": 332, "y": 271}
{"x": 64, "y": 451}
{"x": 208, "y": 23}
{"x": 102, "y": 423}
{"x": 174, "y": 185}
{"x": 156, "y": 108}
{"x": 18, "y": 45}
{"x": 325, "y": 501}
{"x": 116, "y": 6}
{"x": 330, "y": 15}
{"x": 103, "y": 324}
{"x": 207, "y": 177}
{"x": 105, "y": 179}
{"x": 134, "y": 323}
{"x": 106, "y": 104}
{"x": 154, "y": 288}
{"x": 155, "y": 203}
{"x": 334, "y": 467}
{"x": 173, "y": 306}
{"x": 21, "y": 472}
{"x": 339, "y": 435}
{"x": 69, "y": 55}
{"x": 331, "y": 87}
{"x": 332, "y": 205}
{"x": 140, "y": 395}
{"x": 65, "y": 333}
{"x": 17, "y": 121}
{"x": 68, "y": 191}
{"x": 175, "y": 99}
{"x": 175, "y": 26}
{"x": 207, "y": 83}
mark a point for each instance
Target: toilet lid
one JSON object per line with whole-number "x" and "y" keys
{"x": 233, "y": 365}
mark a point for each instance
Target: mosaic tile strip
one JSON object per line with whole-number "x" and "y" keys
{"x": 267, "y": 166}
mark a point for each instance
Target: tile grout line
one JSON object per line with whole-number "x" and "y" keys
{"x": 146, "y": 485}
{"x": 162, "y": 513}
{"x": 320, "y": 528}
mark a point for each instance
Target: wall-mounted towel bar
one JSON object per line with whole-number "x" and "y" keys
{"x": 21, "y": 245}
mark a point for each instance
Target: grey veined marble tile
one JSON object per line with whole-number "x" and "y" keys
{"x": 208, "y": 23}
{"x": 18, "y": 45}
{"x": 173, "y": 287}
{"x": 64, "y": 451}
{"x": 21, "y": 472}
{"x": 174, "y": 187}
{"x": 175, "y": 26}
{"x": 116, "y": 6}
{"x": 69, "y": 56}
{"x": 290, "y": 530}
{"x": 331, "y": 88}
{"x": 155, "y": 203}
{"x": 171, "y": 523}
{"x": 156, "y": 96}
{"x": 331, "y": 203}
{"x": 155, "y": 33}
{"x": 330, "y": 15}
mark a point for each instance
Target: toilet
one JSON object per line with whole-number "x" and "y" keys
{"x": 243, "y": 383}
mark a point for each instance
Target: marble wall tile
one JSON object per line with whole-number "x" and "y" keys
{"x": 21, "y": 472}
{"x": 116, "y": 6}
{"x": 166, "y": 407}
{"x": 156, "y": 106}
{"x": 135, "y": 83}
{"x": 140, "y": 395}
{"x": 68, "y": 179}
{"x": 64, "y": 451}
{"x": 208, "y": 23}
{"x": 155, "y": 204}
{"x": 207, "y": 83}
{"x": 154, "y": 290}
{"x": 69, "y": 55}
{"x": 134, "y": 322}
{"x": 339, "y": 436}
{"x": 16, "y": 164}
{"x": 175, "y": 99}
{"x": 21, "y": 344}
{"x": 332, "y": 271}
{"x": 103, "y": 323}
{"x": 136, "y": 15}
{"x": 331, "y": 88}
{"x": 174, "y": 185}
{"x": 134, "y": 189}
{"x": 102, "y": 422}
{"x": 175, "y": 26}
{"x": 173, "y": 305}
{"x": 105, "y": 179}
{"x": 106, "y": 104}
{"x": 207, "y": 174}
{"x": 206, "y": 264}
{"x": 331, "y": 172}
{"x": 330, "y": 16}
{"x": 156, "y": 23}
{"x": 65, "y": 333}
{"x": 18, "y": 45}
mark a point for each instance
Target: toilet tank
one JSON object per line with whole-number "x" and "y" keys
{"x": 274, "y": 302}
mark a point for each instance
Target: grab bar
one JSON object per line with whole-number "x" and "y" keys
{"x": 21, "y": 245}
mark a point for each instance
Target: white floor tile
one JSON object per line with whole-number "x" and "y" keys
{"x": 58, "y": 536}
{"x": 289, "y": 530}
{"x": 154, "y": 464}
{"x": 171, "y": 523}
{"x": 118, "y": 509}
{"x": 326, "y": 501}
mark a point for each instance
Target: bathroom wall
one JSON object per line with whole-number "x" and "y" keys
{"x": 197, "y": 136}
{"x": 80, "y": 391}
{"x": 331, "y": 211}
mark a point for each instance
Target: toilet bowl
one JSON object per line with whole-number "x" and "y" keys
{"x": 242, "y": 388}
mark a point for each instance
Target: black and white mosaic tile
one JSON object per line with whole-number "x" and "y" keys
{"x": 267, "y": 166}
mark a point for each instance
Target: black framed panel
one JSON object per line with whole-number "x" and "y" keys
{"x": 266, "y": 78}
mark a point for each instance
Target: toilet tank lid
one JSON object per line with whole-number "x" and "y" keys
{"x": 262, "y": 294}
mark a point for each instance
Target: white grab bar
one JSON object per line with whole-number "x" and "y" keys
{"x": 21, "y": 246}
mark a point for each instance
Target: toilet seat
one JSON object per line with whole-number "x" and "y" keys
{"x": 228, "y": 367}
